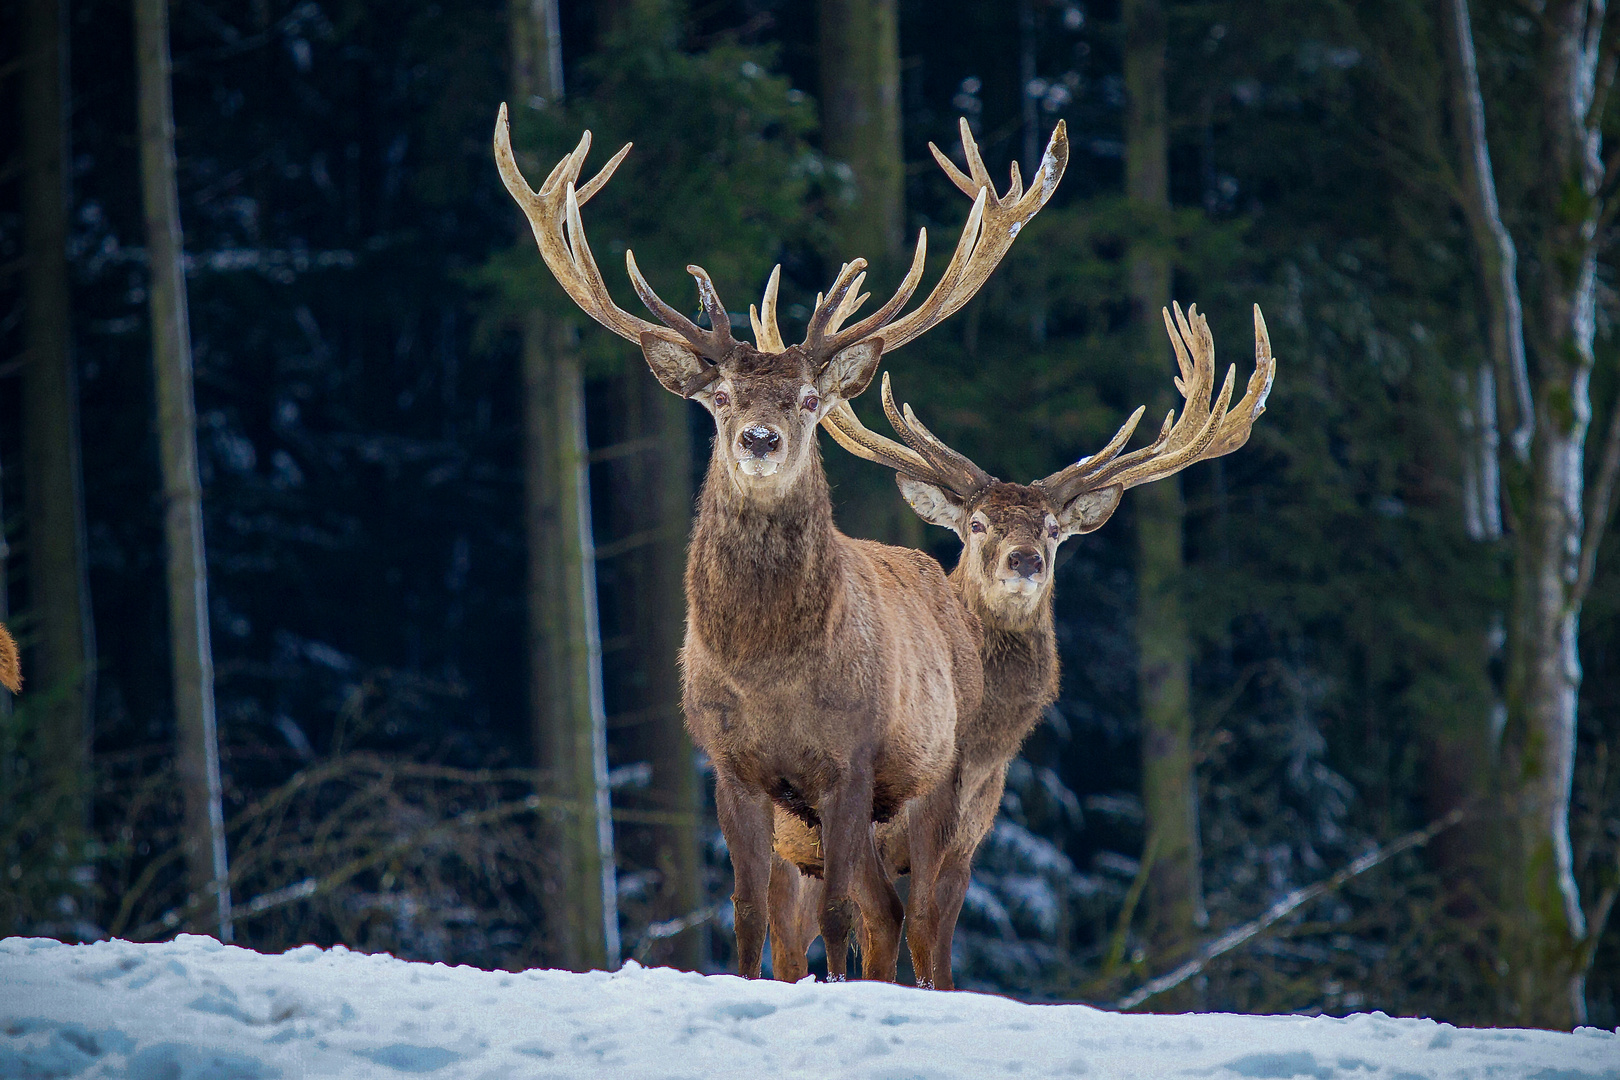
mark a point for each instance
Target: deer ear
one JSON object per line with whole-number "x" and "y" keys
{"x": 933, "y": 504}
{"x": 848, "y": 373}
{"x": 681, "y": 370}
{"x": 1089, "y": 510}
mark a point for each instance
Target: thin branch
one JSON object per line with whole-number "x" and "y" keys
{"x": 1608, "y": 60}
{"x": 1116, "y": 946}
{"x": 657, "y": 931}
{"x": 1292, "y": 902}
{"x": 1600, "y": 500}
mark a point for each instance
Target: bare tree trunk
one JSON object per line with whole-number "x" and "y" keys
{"x": 565, "y": 647}
{"x": 1461, "y": 753}
{"x": 63, "y": 658}
{"x": 1546, "y": 934}
{"x": 1174, "y": 897}
{"x": 860, "y": 123}
{"x": 664, "y": 486}
{"x": 859, "y": 58}
{"x": 204, "y": 835}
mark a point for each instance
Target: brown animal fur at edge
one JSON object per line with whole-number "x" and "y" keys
{"x": 10, "y": 662}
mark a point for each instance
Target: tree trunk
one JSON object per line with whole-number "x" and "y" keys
{"x": 204, "y": 835}
{"x": 565, "y": 647}
{"x": 859, "y": 58}
{"x": 860, "y": 124}
{"x": 1545, "y": 932}
{"x": 62, "y": 662}
{"x": 663, "y": 484}
{"x": 1460, "y": 755}
{"x": 1174, "y": 896}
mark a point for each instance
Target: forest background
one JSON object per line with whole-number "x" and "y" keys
{"x": 444, "y": 516}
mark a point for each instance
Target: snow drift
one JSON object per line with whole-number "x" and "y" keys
{"x": 194, "y": 1009}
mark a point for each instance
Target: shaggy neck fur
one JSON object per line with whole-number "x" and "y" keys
{"x": 761, "y": 574}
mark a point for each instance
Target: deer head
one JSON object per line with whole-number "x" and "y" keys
{"x": 767, "y": 397}
{"x": 1010, "y": 532}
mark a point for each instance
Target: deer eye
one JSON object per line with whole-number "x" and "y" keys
{"x": 811, "y": 402}
{"x": 721, "y": 398}
{"x": 977, "y": 526}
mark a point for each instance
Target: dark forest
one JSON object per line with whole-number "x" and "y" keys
{"x": 1338, "y": 726}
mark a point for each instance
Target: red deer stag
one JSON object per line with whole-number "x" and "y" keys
{"x": 1010, "y": 535}
{"x": 821, "y": 674}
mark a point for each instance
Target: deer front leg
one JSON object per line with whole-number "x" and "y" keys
{"x": 745, "y": 820}
{"x": 855, "y": 882}
{"x": 795, "y": 902}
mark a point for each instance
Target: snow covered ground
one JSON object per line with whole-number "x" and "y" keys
{"x": 193, "y": 1009}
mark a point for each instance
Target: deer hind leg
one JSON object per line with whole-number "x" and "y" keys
{"x": 855, "y": 882}
{"x": 976, "y": 816}
{"x": 930, "y": 823}
{"x": 949, "y": 890}
{"x": 745, "y": 820}
{"x": 795, "y": 901}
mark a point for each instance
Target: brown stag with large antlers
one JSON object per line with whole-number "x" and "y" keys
{"x": 1010, "y": 535}
{"x": 822, "y": 674}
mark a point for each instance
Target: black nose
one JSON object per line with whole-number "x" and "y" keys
{"x": 759, "y": 440}
{"x": 1024, "y": 561}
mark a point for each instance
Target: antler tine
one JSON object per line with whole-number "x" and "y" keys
{"x": 848, "y": 431}
{"x": 766, "y": 332}
{"x": 926, "y": 459}
{"x": 842, "y": 339}
{"x": 853, "y": 299}
{"x": 719, "y": 334}
{"x": 553, "y": 214}
{"x": 1201, "y": 432}
{"x": 1173, "y": 461}
{"x": 1000, "y": 221}
{"x": 827, "y": 307}
{"x": 991, "y": 227}
{"x": 1236, "y": 425}
{"x": 964, "y": 477}
{"x": 1076, "y": 475}
{"x": 710, "y": 344}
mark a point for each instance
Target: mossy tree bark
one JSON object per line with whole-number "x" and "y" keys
{"x": 859, "y": 59}
{"x": 1544, "y": 924}
{"x": 1174, "y": 894}
{"x": 1546, "y": 936}
{"x": 565, "y": 649}
{"x": 61, "y": 658}
{"x": 192, "y": 656}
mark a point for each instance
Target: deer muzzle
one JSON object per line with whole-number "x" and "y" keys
{"x": 759, "y": 450}
{"x": 1026, "y": 562}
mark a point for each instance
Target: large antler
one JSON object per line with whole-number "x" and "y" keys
{"x": 992, "y": 225}
{"x": 924, "y": 457}
{"x": 1200, "y": 433}
{"x": 553, "y": 214}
